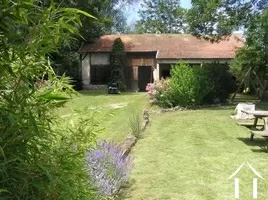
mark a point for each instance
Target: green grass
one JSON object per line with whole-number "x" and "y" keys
{"x": 112, "y": 111}
{"x": 191, "y": 154}
{"x": 183, "y": 155}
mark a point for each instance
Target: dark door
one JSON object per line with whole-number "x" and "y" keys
{"x": 144, "y": 77}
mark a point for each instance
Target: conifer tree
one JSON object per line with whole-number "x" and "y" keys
{"x": 117, "y": 64}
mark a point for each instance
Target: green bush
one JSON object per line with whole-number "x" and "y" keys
{"x": 220, "y": 80}
{"x": 39, "y": 158}
{"x": 188, "y": 85}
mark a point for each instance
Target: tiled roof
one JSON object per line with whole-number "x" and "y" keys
{"x": 169, "y": 46}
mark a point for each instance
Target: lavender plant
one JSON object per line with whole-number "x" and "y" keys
{"x": 108, "y": 168}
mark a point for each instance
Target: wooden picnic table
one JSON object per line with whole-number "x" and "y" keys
{"x": 258, "y": 114}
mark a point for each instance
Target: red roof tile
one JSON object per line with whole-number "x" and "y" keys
{"x": 169, "y": 46}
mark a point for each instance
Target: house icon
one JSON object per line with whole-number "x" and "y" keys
{"x": 236, "y": 181}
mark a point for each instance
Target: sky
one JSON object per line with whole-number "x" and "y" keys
{"x": 132, "y": 11}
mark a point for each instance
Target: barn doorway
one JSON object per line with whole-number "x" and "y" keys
{"x": 145, "y": 76}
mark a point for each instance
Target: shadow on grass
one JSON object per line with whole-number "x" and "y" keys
{"x": 232, "y": 105}
{"x": 243, "y": 98}
{"x": 251, "y": 100}
{"x": 105, "y": 93}
{"x": 225, "y": 106}
{"x": 240, "y": 98}
{"x": 257, "y": 142}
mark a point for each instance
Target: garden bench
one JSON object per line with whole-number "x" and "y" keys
{"x": 249, "y": 124}
{"x": 260, "y": 133}
{"x": 258, "y": 114}
{"x": 264, "y": 131}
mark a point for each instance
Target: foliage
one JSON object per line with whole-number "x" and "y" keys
{"x": 254, "y": 55}
{"x": 117, "y": 64}
{"x": 188, "y": 85}
{"x": 67, "y": 63}
{"x": 110, "y": 18}
{"x": 159, "y": 93}
{"x": 67, "y": 169}
{"x": 219, "y": 18}
{"x": 161, "y": 16}
{"x": 108, "y": 168}
{"x": 220, "y": 81}
{"x": 135, "y": 123}
{"x": 39, "y": 159}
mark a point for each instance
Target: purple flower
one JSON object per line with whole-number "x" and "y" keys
{"x": 108, "y": 168}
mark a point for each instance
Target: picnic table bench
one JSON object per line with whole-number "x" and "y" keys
{"x": 249, "y": 124}
{"x": 258, "y": 114}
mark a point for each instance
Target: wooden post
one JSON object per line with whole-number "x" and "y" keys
{"x": 135, "y": 78}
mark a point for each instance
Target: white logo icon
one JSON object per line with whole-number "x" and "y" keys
{"x": 255, "y": 181}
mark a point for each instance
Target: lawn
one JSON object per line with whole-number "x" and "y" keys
{"x": 112, "y": 111}
{"x": 191, "y": 154}
{"x": 183, "y": 154}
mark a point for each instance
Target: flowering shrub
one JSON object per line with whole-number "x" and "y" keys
{"x": 159, "y": 93}
{"x": 186, "y": 87}
{"x": 108, "y": 168}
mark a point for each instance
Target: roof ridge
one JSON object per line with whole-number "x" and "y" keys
{"x": 146, "y": 34}
{"x": 168, "y": 45}
{"x": 163, "y": 34}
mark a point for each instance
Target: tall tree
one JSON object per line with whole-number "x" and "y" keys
{"x": 213, "y": 19}
{"x": 161, "y": 16}
{"x": 110, "y": 19}
{"x": 221, "y": 17}
{"x": 254, "y": 56}
{"x": 109, "y": 15}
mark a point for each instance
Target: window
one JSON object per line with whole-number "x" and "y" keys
{"x": 99, "y": 74}
{"x": 166, "y": 73}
